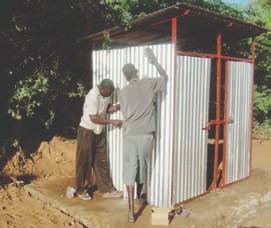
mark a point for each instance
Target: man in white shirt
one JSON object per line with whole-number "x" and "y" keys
{"x": 91, "y": 150}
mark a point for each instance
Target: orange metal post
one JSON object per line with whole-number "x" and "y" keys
{"x": 218, "y": 97}
{"x": 174, "y": 31}
{"x": 174, "y": 42}
{"x": 226, "y": 118}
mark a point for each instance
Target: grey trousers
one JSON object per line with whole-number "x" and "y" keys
{"x": 136, "y": 152}
{"x": 91, "y": 153}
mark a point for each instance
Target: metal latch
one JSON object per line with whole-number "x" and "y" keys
{"x": 207, "y": 127}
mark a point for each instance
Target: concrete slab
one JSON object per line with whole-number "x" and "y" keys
{"x": 228, "y": 207}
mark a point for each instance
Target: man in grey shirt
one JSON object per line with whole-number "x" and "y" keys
{"x": 136, "y": 101}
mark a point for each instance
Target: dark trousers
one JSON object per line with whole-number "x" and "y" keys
{"x": 91, "y": 153}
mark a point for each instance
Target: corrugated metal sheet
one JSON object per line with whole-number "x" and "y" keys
{"x": 184, "y": 170}
{"x": 239, "y": 109}
{"x": 190, "y": 141}
{"x": 108, "y": 64}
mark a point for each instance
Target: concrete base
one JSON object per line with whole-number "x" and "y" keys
{"x": 228, "y": 207}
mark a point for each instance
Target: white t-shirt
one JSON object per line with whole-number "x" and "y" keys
{"x": 95, "y": 104}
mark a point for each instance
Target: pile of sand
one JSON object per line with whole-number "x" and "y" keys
{"x": 54, "y": 158}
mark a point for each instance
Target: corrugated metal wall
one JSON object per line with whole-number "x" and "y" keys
{"x": 108, "y": 64}
{"x": 190, "y": 141}
{"x": 239, "y": 109}
{"x": 177, "y": 170}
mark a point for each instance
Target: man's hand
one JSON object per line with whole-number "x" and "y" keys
{"x": 114, "y": 108}
{"x": 101, "y": 120}
{"x": 148, "y": 53}
{"x": 116, "y": 123}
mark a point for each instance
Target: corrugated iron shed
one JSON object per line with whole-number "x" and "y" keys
{"x": 191, "y": 155}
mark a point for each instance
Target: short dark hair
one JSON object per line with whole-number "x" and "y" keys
{"x": 107, "y": 83}
{"x": 128, "y": 71}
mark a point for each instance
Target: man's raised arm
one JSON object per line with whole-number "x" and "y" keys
{"x": 153, "y": 60}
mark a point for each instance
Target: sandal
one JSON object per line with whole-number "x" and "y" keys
{"x": 84, "y": 196}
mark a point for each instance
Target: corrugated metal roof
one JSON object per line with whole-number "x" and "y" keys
{"x": 195, "y": 24}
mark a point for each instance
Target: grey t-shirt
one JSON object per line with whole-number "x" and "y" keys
{"x": 136, "y": 103}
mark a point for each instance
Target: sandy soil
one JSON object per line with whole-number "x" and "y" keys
{"x": 261, "y": 159}
{"x": 18, "y": 208}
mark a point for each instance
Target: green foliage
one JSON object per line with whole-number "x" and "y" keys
{"x": 262, "y": 106}
{"x": 223, "y": 8}
{"x": 262, "y": 131}
{"x": 80, "y": 91}
{"x": 27, "y": 96}
{"x": 107, "y": 41}
{"x": 262, "y": 9}
{"x": 119, "y": 11}
{"x": 44, "y": 70}
{"x": 16, "y": 145}
{"x": 41, "y": 93}
{"x": 263, "y": 61}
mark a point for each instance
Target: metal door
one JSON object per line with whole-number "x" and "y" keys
{"x": 239, "y": 111}
{"x": 191, "y": 114}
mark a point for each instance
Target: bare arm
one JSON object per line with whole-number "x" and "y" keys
{"x": 153, "y": 60}
{"x": 160, "y": 69}
{"x": 103, "y": 121}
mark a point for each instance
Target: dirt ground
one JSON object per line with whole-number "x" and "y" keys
{"x": 54, "y": 160}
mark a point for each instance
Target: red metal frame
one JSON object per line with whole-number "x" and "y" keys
{"x": 236, "y": 59}
{"x": 197, "y": 54}
{"x": 218, "y": 98}
{"x": 218, "y": 121}
{"x": 213, "y": 56}
{"x": 185, "y": 13}
{"x": 189, "y": 200}
{"x": 215, "y": 122}
{"x": 240, "y": 180}
{"x": 174, "y": 42}
{"x": 174, "y": 31}
{"x": 226, "y": 118}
